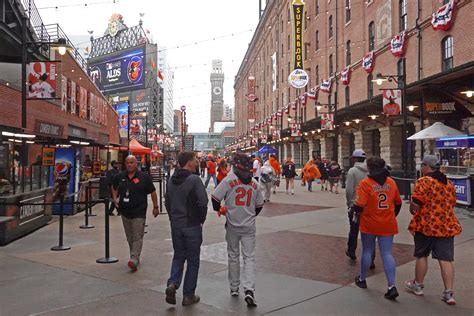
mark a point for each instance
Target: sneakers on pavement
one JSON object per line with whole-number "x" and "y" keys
{"x": 234, "y": 292}
{"x": 171, "y": 294}
{"x": 190, "y": 300}
{"x": 351, "y": 255}
{"x": 413, "y": 287}
{"x": 250, "y": 299}
{"x": 133, "y": 264}
{"x": 448, "y": 297}
{"x": 392, "y": 293}
{"x": 360, "y": 283}
{"x": 372, "y": 266}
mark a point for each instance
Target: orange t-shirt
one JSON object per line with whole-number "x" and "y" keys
{"x": 378, "y": 201}
{"x": 211, "y": 167}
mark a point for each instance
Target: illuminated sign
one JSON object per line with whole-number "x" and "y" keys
{"x": 298, "y": 10}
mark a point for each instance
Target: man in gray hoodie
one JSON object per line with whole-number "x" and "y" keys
{"x": 186, "y": 202}
{"x": 355, "y": 175}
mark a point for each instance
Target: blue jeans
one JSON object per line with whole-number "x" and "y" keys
{"x": 187, "y": 247}
{"x": 310, "y": 185}
{"x": 368, "y": 247}
{"x": 209, "y": 176}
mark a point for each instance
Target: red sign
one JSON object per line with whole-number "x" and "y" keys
{"x": 392, "y": 100}
{"x": 41, "y": 80}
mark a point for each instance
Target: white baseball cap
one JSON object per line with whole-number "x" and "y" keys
{"x": 359, "y": 153}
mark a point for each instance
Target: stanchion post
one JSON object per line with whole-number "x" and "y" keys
{"x": 86, "y": 213}
{"x": 61, "y": 247}
{"x": 161, "y": 191}
{"x": 89, "y": 189}
{"x": 107, "y": 258}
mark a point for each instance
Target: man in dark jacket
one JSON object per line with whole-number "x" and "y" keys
{"x": 110, "y": 178}
{"x": 186, "y": 202}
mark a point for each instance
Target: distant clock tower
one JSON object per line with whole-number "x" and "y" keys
{"x": 217, "y": 93}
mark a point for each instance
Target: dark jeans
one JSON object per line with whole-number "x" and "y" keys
{"x": 352, "y": 240}
{"x": 187, "y": 247}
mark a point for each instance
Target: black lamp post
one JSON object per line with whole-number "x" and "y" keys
{"x": 401, "y": 81}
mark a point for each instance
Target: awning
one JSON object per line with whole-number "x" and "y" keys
{"x": 137, "y": 148}
{"x": 437, "y": 130}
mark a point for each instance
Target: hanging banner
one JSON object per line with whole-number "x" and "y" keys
{"x": 443, "y": 19}
{"x": 398, "y": 44}
{"x": 302, "y": 99}
{"x": 327, "y": 122}
{"x": 48, "y": 156}
{"x": 392, "y": 100}
{"x": 368, "y": 62}
{"x": 122, "y": 111}
{"x": 346, "y": 76}
{"x": 275, "y": 135}
{"x": 92, "y": 107}
{"x": 250, "y": 102}
{"x": 298, "y": 11}
{"x": 274, "y": 71}
{"x": 73, "y": 97}
{"x": 287, "y": 109}
{"x": 63, "y": 93}
{"x": 312, "y": 94}
{"x": 325, "y": 85}
{"x": 41, "y": 80}
{"x": 82, "y": 102}
{"x": 323, "y": 109}
{"x": 263, "y": 139}
{"x": 295, "y": 129}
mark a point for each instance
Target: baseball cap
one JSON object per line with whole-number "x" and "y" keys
{"x": 359, "y": 153}
{"x": 431, "y": 161}
{"x": 242, "y": 161}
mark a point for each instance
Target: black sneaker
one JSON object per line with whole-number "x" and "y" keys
{"x": 250, "y": 299}
{"x": 351, "y": 255}
{"x": 391, "y": 293}
{"x": 171, "y": 294}
{"x": 190, "y": 300}
{"x": 372, "y": 266}
{"x": 361, "y": 283}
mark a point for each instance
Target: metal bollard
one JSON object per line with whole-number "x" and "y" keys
{"x": 107, "y": 258}
{"x": 89, "y": 189}
{"x": 86, "y": 213}
{"x": 61, "y": 247}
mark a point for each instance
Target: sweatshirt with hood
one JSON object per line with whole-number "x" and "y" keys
{"x": 186, "y": 199}
{"x": 353, "y": 178}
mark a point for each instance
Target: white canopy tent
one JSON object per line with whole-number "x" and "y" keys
{"x": 437, "y": 130}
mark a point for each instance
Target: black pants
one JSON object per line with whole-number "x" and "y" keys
{"x": 352, "y": 240}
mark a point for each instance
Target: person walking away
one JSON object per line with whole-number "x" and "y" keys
{"x": 324, "y": 174}
{"x": 377, "y": 204}
{"x": 222, "y": 170}
{"x": 211, "y": 172}
{"x": 186, "y": 202}
{"x": 130, "y": 192}
{"x": 354, "y": 176}
{"x": 289, "y": 172}
{"x": 110, "y": 180}
{"x": 311, "y": 173}
{"x": 243, "y": 202}
{"x": 276, "y": 167}
{"x": 433, "y": 225}
{"x": 257, "y": 167}
{"x": 334, "y": 176}
{"x": 267, "y": 178}
{"x": 203, "y": 166}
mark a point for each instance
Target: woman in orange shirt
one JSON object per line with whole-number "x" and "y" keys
{"x": 377, "y": 205}
{"x": 222, "y": 170}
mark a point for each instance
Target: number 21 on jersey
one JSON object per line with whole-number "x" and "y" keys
{"x": 243, "y": 197}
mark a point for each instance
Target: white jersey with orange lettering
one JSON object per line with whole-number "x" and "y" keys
{"x": 241, "y": 200}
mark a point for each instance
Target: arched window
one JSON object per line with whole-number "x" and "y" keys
{"x": 317, "y": 41}
{"x": 330, "y": 26}
{"x": 348, "y": 53}
{"x": 331, "y": 69}
{"x": 371, "y": 36}
{"x": 348, "y": 97}
{"x": 403, "y": 15}
{"x": 305, "y": 22}
{"x": 316, "y": 7}
{"x": 317, "y": 74}
{"x": 447, "y": 46}
{"x": 348, "y": 10}
{"x": 370, "y": 87}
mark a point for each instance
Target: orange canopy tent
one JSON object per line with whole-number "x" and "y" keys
{"x": 137, "y": 148}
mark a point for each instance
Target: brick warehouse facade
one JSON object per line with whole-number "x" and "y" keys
{"x": 357, "y": 28}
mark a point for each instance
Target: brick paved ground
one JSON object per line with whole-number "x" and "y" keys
{"x": 301, "y": 268}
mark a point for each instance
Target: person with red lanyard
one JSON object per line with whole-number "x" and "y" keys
{"x": 377, "y": 204}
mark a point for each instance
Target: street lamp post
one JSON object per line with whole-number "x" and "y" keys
{"x": 183, "y": 126}
{"x": 401, "y": 81}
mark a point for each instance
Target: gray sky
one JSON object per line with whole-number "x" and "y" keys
{"x": 175, "y": 23}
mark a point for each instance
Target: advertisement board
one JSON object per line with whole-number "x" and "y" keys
{"x": 392, "y": 101}
{"x": 41, "y": 80}
{"x": 463, "y": 190}
{"x": 122, "y": 111}
{"x": 123, "y": 71}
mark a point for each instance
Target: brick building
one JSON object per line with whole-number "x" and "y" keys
{"x": 338, "y": 34}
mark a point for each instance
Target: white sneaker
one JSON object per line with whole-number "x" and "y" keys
{"x": 413, "y": 287}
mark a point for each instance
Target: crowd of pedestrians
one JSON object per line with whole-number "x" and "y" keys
{"x": 243, "y": 184}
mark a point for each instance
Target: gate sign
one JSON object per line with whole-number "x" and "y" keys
{"x": 298, "y": 79}
{"x": 392, "y": 100}
{"x": 298, "y": 10}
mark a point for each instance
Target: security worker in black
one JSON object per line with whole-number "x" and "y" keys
{"x": 130, "y": 192}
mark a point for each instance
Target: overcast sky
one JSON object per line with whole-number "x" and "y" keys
{"x": 174, "y": 23}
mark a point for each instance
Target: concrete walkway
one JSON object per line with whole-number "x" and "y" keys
{"x": 301, "y": 268}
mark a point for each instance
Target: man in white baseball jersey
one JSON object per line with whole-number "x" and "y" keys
{"x": 243, "y": 202}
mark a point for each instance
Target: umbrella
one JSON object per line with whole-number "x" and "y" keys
{"x": 437, "y": 130}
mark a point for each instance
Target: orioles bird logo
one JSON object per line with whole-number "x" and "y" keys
{"x": 134, "y": 69}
